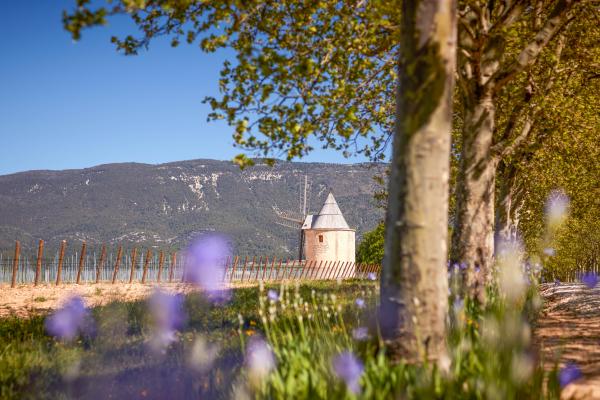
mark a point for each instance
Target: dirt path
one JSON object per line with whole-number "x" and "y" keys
{"x": 569, "y": 331}
{"x": 27, "y": 300}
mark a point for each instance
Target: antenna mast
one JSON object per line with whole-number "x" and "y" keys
{"x": 293, "y": 220}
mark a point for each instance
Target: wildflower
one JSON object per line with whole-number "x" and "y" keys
{"x": 205, "y": 265}
{"x": 569, "y": 373}
{"x": 168, "y": 315}
{"x": 259, "y": 360}
{"x": 202, "y": 355}
{"x": 272, "y": 295}
{"x": 360, "y": 303}
{"x": 360, "y": 333}
{"x": 371, "y": 276}
{"x": 458, "y": 305}
{"x": 549, "y": 251}
{"x": 590, "y": 279}
{"x": 68, "y": 321}
{"x": 349, "y": 369}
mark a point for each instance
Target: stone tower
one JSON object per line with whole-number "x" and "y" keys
{"x": 327, "y": 236}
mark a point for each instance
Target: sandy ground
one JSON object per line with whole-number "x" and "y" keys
{"x": 569, "y": 331}
{"x": 27, "y": 300}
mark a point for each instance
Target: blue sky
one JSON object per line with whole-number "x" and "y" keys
{"x": 74, "y": 105}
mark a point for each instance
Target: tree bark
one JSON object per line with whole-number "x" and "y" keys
{"x": 510, "y": 203}
{"x": 473, "y": 233}
{"x": 414, "y": 287}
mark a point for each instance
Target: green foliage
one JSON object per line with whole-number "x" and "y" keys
{"x": 489, "y": 351}
{"x": 371, "y": 248}
{"x": 302, "y": 69}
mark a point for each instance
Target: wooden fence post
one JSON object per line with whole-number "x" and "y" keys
{"x": 15, "y": 268}
{"x": 38, "y": 268}
{"x": 244, "y": 269}
{"x": 305, "y": 269}
{"x": 101, "y": 263}
{"x": 257, "y": 268}
{"x": 161, "y": 259}
{"x": 235, "y": 262}
{"x": 133, "y": 260}
{"x": 117, "y": 263}
{"x": 61, "y": 257}
{"x": 314, "y": 268}
{"x": 290, "y": 269}
{"x": 81, "y": 261}
{"x": 333, "y": 270}
{"x": 172, "y": 266}
{"x": 277, "y": 270}
{"x": 146, "y": 261}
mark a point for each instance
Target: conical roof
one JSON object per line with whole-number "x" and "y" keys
{"x": 330, "y": 216}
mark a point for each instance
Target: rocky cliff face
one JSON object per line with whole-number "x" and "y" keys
{"x": 164, "y": 205}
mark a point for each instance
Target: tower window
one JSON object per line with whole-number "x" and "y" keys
{"x": 320, "y": 238}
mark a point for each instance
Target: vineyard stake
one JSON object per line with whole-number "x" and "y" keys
{"x": 81, "y": 261}
{"x": 146, "y": 261}
{"x": 244, "y": 269}
{"x": 61, "y": 257}
{"x": 161, "y": 259}
{"x": 38, "y": 269}
{"x": 171, "y": 267}
{"x": 235, "y": 261}
{"x": 15, "y": 264}
{"x": 101, "y": 263}
{"x": 117, "y": 263}
{"x": 133, "y": 260}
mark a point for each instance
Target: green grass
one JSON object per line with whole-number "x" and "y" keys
{"x": 489, "y": 351}
{"x": 33, "y": 365}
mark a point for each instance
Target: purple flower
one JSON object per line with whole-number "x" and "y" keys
{"x": 360, "y": 303}
{"x": 556, "y": 282}
{"x": 590, "y": 279}
{"x": 66, "y": 322}
{"x": 371, "y": 276}
{"x": 549, "y": 251}
{"x": 168, "y": 315}
{"x": 260, "y": 359}
{"x": 458, "y": 305}
{"x": 273, "y": 295}
{"x": 360, "y": 333}
{"x": 568, "y": 374}
{"x": 205, "y": 265}
{"x": 349, "y": 369}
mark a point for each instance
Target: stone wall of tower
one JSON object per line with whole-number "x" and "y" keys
{"x": 329, "y": 245}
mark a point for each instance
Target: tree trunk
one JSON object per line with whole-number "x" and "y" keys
{"x": 473, "y": 234}
{"x": 414, "y": 287}
{"x": 509, "y": 205}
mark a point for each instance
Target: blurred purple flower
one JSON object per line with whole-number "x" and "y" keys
{"x": 360, "y": 303}
{"x": 360, "y": 333}
{"x": 590, "y": 279}
{"x": 205, "y": 265}
{"x": 66, "y": 322}
{"x": 371, "y": 276}
{"x": 168, "y": 315}
{"x": 569, "y": 373}
{"x": 349, "y": 369}
{"x": 549, "y": 251}
{"x": 458, "y": 305}
{"x": 260, "y": 359}
{"x": 272, "y": 295}
{"x": 556, "y": 282}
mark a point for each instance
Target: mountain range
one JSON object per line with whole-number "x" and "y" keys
{"x": 165, "y": 205}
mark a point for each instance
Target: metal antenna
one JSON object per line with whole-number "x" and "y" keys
{"x": 292, "y": 220}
